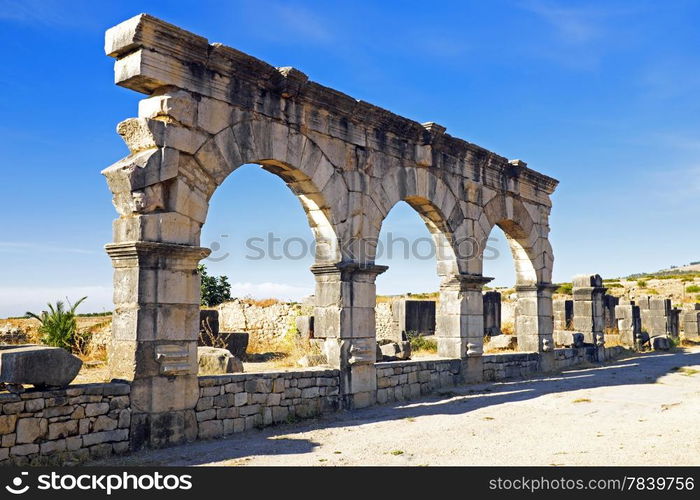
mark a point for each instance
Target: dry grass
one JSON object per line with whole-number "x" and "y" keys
{"x": 508, "y": 328}
{"x": 286, "y": 350}
{"x": 581, "y": 400}
{"x": 260, "y": 302}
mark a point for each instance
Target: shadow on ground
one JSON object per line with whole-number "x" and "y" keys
{"x": 636, "y": 369}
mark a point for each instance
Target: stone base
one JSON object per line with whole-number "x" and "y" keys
{"x": 157, "y": 430}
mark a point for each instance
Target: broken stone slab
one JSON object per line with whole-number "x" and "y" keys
{"x": 393, "y": 351}
{"x": 503, "y": 342}
{"x": 40, "y": 366}
{"x": 660, "y": 343}
{"x": 213, "y": 360}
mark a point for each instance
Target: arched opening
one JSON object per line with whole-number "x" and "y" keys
{"x": 261, "y": 240}
{"x": 408, "y": 293}
{"x": 515, "y": 313}
{"x": 505, "y": 260}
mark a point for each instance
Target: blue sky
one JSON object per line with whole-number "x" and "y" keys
{"x": 600, "y": 95}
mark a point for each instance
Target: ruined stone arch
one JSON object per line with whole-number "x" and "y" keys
{"x": 532, "y": 253}
{"x": 434, "y": 202}
{"x": 209, "y": 109}
{"x": 290, "y": 155}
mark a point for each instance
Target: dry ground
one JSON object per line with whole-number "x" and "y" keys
{"x": 640, "y": 410}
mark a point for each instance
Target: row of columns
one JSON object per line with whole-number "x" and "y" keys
{"x": 156, "y": 325}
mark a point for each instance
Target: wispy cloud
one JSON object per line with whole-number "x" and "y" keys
{"x": 284, "y": 20}
{"x": 574, "y": 25}
{"x": 41, "y": 12}
{"x": 15, "y": 246}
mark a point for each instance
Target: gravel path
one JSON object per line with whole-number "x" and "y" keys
{"x": 639, "y": 410}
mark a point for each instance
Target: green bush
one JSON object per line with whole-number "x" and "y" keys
{"x": 421, "y": 343}
{"x": 214, "y": 290}
{"x": 642, "y": 283}
{"x": 692, "y": 289}
{"x": 565, "y": 288}
{"x": 58, "y": 326}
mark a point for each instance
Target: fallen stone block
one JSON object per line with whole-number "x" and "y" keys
{"x": 503, "y": 342}
{"x": 660, "y": 343}
{"x": 212, "y": 360}
{"x": 394, "y": 351}
{"x": 40, "y": 366}
{"x": 568, "y": 339}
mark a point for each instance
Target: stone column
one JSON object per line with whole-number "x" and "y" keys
{"x": 588, "y": 293}
{"x": 534, "y": 322}
{"x": 691, "y": 322}
{"x": 344, "y": 317}
{"x": 459, "y": 322}
{"x": 629, "y": 323}
{"x": 154, "y": 337}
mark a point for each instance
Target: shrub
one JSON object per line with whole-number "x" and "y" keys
{"x": 642, "y": 283}
{"x": 58, "y": 326}
{"x": 214, "y": 290}
{"x": 421, "y": 343}
{"x": 692, "y": 289}
{"x": 565, "y": 288}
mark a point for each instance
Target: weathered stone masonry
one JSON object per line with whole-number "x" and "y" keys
{"x": 210, "y": 109}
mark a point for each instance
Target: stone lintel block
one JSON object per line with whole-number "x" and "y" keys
{"x": 587, "y": 281}
{"x": 141, "y": 134}
{"x": 172, "y": 105}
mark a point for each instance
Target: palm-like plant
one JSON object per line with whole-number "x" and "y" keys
{"x": 58, "y": 324}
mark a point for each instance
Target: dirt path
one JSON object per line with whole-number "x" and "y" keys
{"x": 640, "y": 410}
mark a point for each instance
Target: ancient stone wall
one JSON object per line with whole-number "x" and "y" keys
{"x": 272, "y": 321}
{"x": 401, "y": 380}
{"x": 235, "y": 403}
{"x": 81, "y": 421}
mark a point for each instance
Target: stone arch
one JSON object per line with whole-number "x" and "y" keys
{"x": 290, "y": 155}
{"x": 434, "y": 202}
{"x": 530, "y": 251}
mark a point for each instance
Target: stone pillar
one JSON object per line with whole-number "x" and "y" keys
{"x": 344, "y": 317}
{"x": 609, "y": 318}
{"x": 563, "y": 311}
{"x": 629, "y": 324}
{"x": 588, "y": 293}
{"x": 534, "y": 323}
{"x": 691, "y": 322}
{"x": 657, "y": 318}
{"x": 459, "y": 322}
{"x": 492, "y": 313}
{"x": 154, "y": 341}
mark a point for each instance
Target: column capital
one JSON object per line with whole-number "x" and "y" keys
{"x": 536, "y": 287}
{"x": 465, "y": 282}
{"x": 347, "y": 270}
{"x": 133, "y": 252}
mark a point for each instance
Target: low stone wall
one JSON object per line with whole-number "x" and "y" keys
{"x": 235, "y": 403}
{"x": 401, "y": 380}
{"x": 504, "y": 366}
{"x": 81, "y": 421}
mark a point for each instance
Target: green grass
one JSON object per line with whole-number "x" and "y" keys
{"x": 581, "y": 400}
{"x": 692, "y": 289}
{"x": 397, "y": 452}
{"x": 421, "y": 343}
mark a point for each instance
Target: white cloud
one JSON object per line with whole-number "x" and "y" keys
{"x": 16, "y": 300}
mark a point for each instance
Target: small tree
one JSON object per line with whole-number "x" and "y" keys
{"x": 58, "y": 324}
{"x": 214, "y": 290}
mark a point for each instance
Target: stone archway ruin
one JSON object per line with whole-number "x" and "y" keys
{"x": 211, "y": 109}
